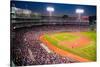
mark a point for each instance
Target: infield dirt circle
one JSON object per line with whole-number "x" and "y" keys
{"x": 79, "y": 42}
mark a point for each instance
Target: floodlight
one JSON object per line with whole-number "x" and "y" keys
{"x": 50, "y": 9}
{"x": 79, "y": 11}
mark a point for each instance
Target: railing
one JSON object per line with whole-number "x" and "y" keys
{"x": 47, "y": 20}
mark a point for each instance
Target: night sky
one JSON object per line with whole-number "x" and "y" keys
{"x": 60, "y": 9}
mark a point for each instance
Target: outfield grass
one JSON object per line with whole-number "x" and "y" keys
{"x": 88, "y": 51}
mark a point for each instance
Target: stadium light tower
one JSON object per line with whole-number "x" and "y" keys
{"x": 50, "y": 10}
{"x": 79, "y": 12}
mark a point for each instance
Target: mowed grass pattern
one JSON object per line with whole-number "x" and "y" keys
{"x": 88, "y": 51}
{"x": 65, "y": 36}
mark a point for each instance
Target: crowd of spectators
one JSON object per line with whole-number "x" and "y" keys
{"x": 26, "y": 49}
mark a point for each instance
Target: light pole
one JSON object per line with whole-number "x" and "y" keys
{"x": 50, "y": 10}
{"x": 79, "y": 12}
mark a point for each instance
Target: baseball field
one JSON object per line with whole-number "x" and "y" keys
{"x": 80, "y": 46}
